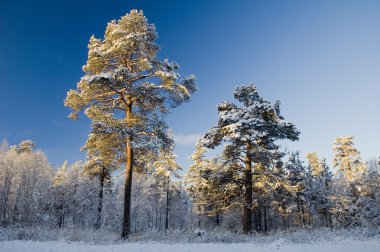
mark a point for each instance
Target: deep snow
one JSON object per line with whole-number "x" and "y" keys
{"x": 280, "y": 245}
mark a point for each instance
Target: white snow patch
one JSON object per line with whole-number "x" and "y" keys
{"x": 281, "y": 245}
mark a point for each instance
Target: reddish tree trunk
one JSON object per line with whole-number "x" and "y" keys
{"x": 247, "y": 208}
{"x": 128, "y": 180}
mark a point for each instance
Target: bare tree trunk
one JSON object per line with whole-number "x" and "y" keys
{"x": 256, "y": 212}
{"x": 217, "y": 220}
{"x": 61, "y": 218}
{"x": 128, "y": 179}
{"x": 330, "y": 220}
{"x": 265, "y": 219}
{"x": 199, "y": 216}
{"x": 83, "y": 215}
{"x": 100, "y": 206}
{"x": 7, "y": 186}
{"x": 247, "y": 208}
{"x": 300, "y": 218}
{"x": 75, "y": 203}
{"x": 167, "y": 206}
{"x": 156, "y": 205}
{"x": 303, "y": 212}
{"x": 283, "y": 221}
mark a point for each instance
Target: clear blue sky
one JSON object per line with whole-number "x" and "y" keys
{"x": 320, "y": 58}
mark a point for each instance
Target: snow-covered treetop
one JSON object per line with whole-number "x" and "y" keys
{"x": 166, "y": 165}
{"x": 126, "y": 89}
{"x": 102, "y": 152}
{"x": 123, "y": 68}
{"x": 295, "y": 173}
{"x": 347, "y": 159}
{"x": 193, "y": 178}
{"x": 247, "y": 94}
{"x": 26, "y": 146}
{"x": 316, "y": 167}
{"x": 257, "y": 121}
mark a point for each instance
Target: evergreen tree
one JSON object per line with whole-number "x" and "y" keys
{"x": 196, "y": 184}
{"x": 166, "y": 167}
{"x": 349, "y": 182}
{"x": 126, "y": 91}
{"x": 59, "y": 189}
{"x": 321, "y": 185}
{"x": 298, "y": 179}
{"x": 347, "y": 159}
{"x": 253, "y": 127}
{"x": 100, "y": 163}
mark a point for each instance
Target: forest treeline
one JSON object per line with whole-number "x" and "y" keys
{"x": 293, "y": 195}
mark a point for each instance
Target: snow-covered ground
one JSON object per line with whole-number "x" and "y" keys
{"x": 281, "y": 245}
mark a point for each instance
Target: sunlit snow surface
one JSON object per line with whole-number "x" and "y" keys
{"x": 280, "y": 245}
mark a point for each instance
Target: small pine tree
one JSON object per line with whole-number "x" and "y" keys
{"x": 249, "y": 129}
{"x": 321, "y": 179}
{"x": 348, "y": 187}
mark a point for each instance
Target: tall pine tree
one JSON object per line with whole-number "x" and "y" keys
{"x": 126, "y": 90}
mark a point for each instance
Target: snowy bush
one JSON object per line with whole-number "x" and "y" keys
{"x": 199, "y": 233}
{"x": 52, "y": 234}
